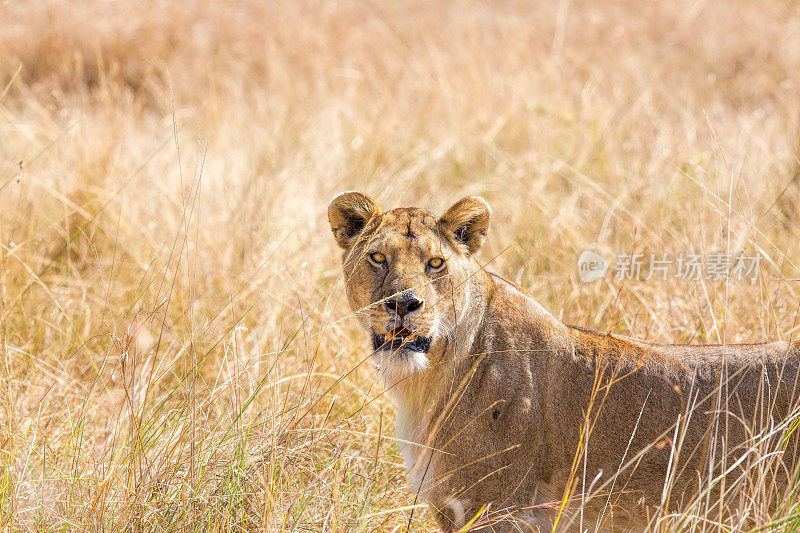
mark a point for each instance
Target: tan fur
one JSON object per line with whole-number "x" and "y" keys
{"x": 493, "y": 412}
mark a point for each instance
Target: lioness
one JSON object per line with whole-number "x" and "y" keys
{"x": 511, "y": 416}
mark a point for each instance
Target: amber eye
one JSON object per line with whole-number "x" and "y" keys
{"x": 436, "y": 263}
{"x": 377, "y": 257}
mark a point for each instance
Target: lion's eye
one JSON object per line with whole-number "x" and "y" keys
{"x": 436, "y": 263}
{"x": 377, "y": 257}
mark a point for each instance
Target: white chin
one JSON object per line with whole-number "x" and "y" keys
{"x": 394, "y": 366}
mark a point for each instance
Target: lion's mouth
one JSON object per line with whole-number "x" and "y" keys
{"x": 401, "y": 338}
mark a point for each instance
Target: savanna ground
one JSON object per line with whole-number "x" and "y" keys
{"x": 176, "y": 349}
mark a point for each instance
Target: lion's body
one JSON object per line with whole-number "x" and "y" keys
{"x": 494, "y": 415}
{"x": 518, "y": 404}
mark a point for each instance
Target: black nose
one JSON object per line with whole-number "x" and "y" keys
{"x": 403, "y": 305}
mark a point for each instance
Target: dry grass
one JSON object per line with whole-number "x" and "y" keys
{"x": 176, "y": 351}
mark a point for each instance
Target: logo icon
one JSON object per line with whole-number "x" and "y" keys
{"x": 591, "y": 266}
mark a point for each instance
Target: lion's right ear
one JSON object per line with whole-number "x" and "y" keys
{"x": 348, "y": 214}
{"x": 466, "y": 223}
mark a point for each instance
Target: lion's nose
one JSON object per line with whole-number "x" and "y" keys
{"x": 402, "y": 305}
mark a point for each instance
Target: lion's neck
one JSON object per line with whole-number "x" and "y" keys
{"x": 421, "y": 395}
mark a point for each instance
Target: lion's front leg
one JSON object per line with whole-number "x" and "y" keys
{"x": 454, "y": 514}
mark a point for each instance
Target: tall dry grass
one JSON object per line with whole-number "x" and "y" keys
{"x": 176, "y": 350}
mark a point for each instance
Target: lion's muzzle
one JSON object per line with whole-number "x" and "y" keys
{"x": 400, "y": 338}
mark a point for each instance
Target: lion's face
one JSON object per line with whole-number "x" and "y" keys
{"x": 405, "y": 274}
{"x": 402, "y": 282}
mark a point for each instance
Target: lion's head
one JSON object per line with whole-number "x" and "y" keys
{"x": 407, "y": 274}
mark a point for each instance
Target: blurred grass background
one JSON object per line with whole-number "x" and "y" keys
{"x": 176, "y": 350}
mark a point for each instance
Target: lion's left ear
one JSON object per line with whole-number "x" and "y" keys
{"x": 348, "y": 214}
{"x": 466, "y": 222}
